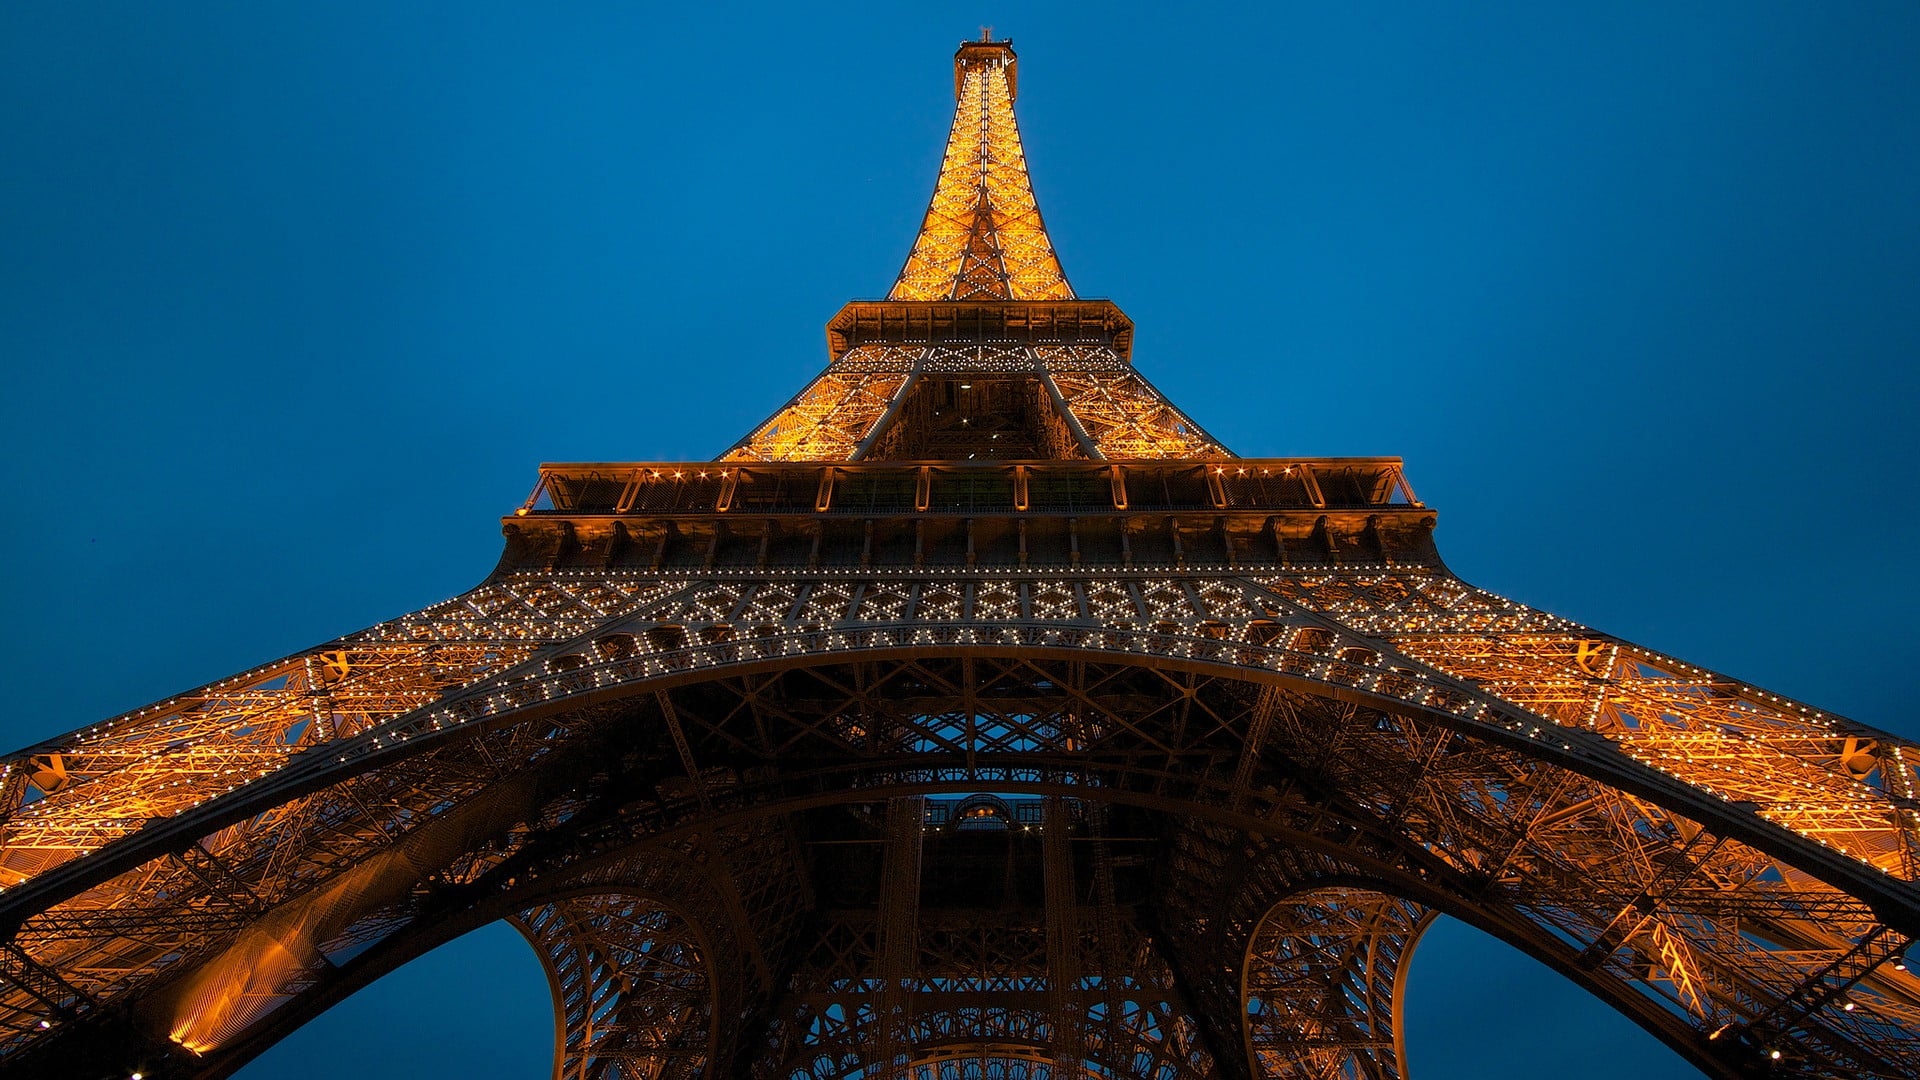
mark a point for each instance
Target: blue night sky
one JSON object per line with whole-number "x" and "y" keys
{"x": 293, "y": 298}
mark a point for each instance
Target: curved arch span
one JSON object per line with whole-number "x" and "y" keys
{"x": 1322, "y": 986}
{"x": 1447, "y": 805}
{"x": 1382, "y": 881}
{"x": 1389, "y": 682}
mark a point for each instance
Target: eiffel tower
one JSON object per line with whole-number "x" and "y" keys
{"x": 978, "y": 716}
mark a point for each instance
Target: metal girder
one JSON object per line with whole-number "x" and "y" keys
{"x": 1322, "y": 984}
{"x": 1063, "y": 936}
{"x": 898, "y": 950}
{"x": 1018, "y": 707}
{"x": 632, "y": 988}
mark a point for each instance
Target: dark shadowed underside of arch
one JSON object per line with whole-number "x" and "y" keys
{"x": 1187, "y": 807}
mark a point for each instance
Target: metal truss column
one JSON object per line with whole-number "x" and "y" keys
{"x": 1322, "y": 992}
{"x": 1063, "y": 938}
{"x": 633, "y": 997}
{"x": 898, "y": 945}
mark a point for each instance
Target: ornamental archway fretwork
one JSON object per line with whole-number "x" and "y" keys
{"x": 1689, "y": 926}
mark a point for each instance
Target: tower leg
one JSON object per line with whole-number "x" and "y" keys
{"x": 633, "y": 999}
{"x": 1322, "y": 985}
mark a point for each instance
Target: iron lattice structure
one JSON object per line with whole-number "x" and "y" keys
{"x": 976, "y": 716}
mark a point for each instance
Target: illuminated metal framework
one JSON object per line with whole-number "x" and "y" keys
{"x": 976, "y": 718}
{"x": 981, "y": 331}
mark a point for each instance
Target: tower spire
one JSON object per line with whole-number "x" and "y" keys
{"x": 983, "y": 238}
{"x": 981, "y": 350}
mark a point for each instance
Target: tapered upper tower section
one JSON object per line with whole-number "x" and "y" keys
{"x": 981, "y": 351}
{"x": 983, "y": 237}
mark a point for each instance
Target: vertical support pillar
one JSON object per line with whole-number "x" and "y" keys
{"x": 1063, "y": 939}
{"x": 1320, "y": 984}
{"x": 632, "y": 993}
{"x": 898, "y": 947}
{"x": 1114, "y": 968}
